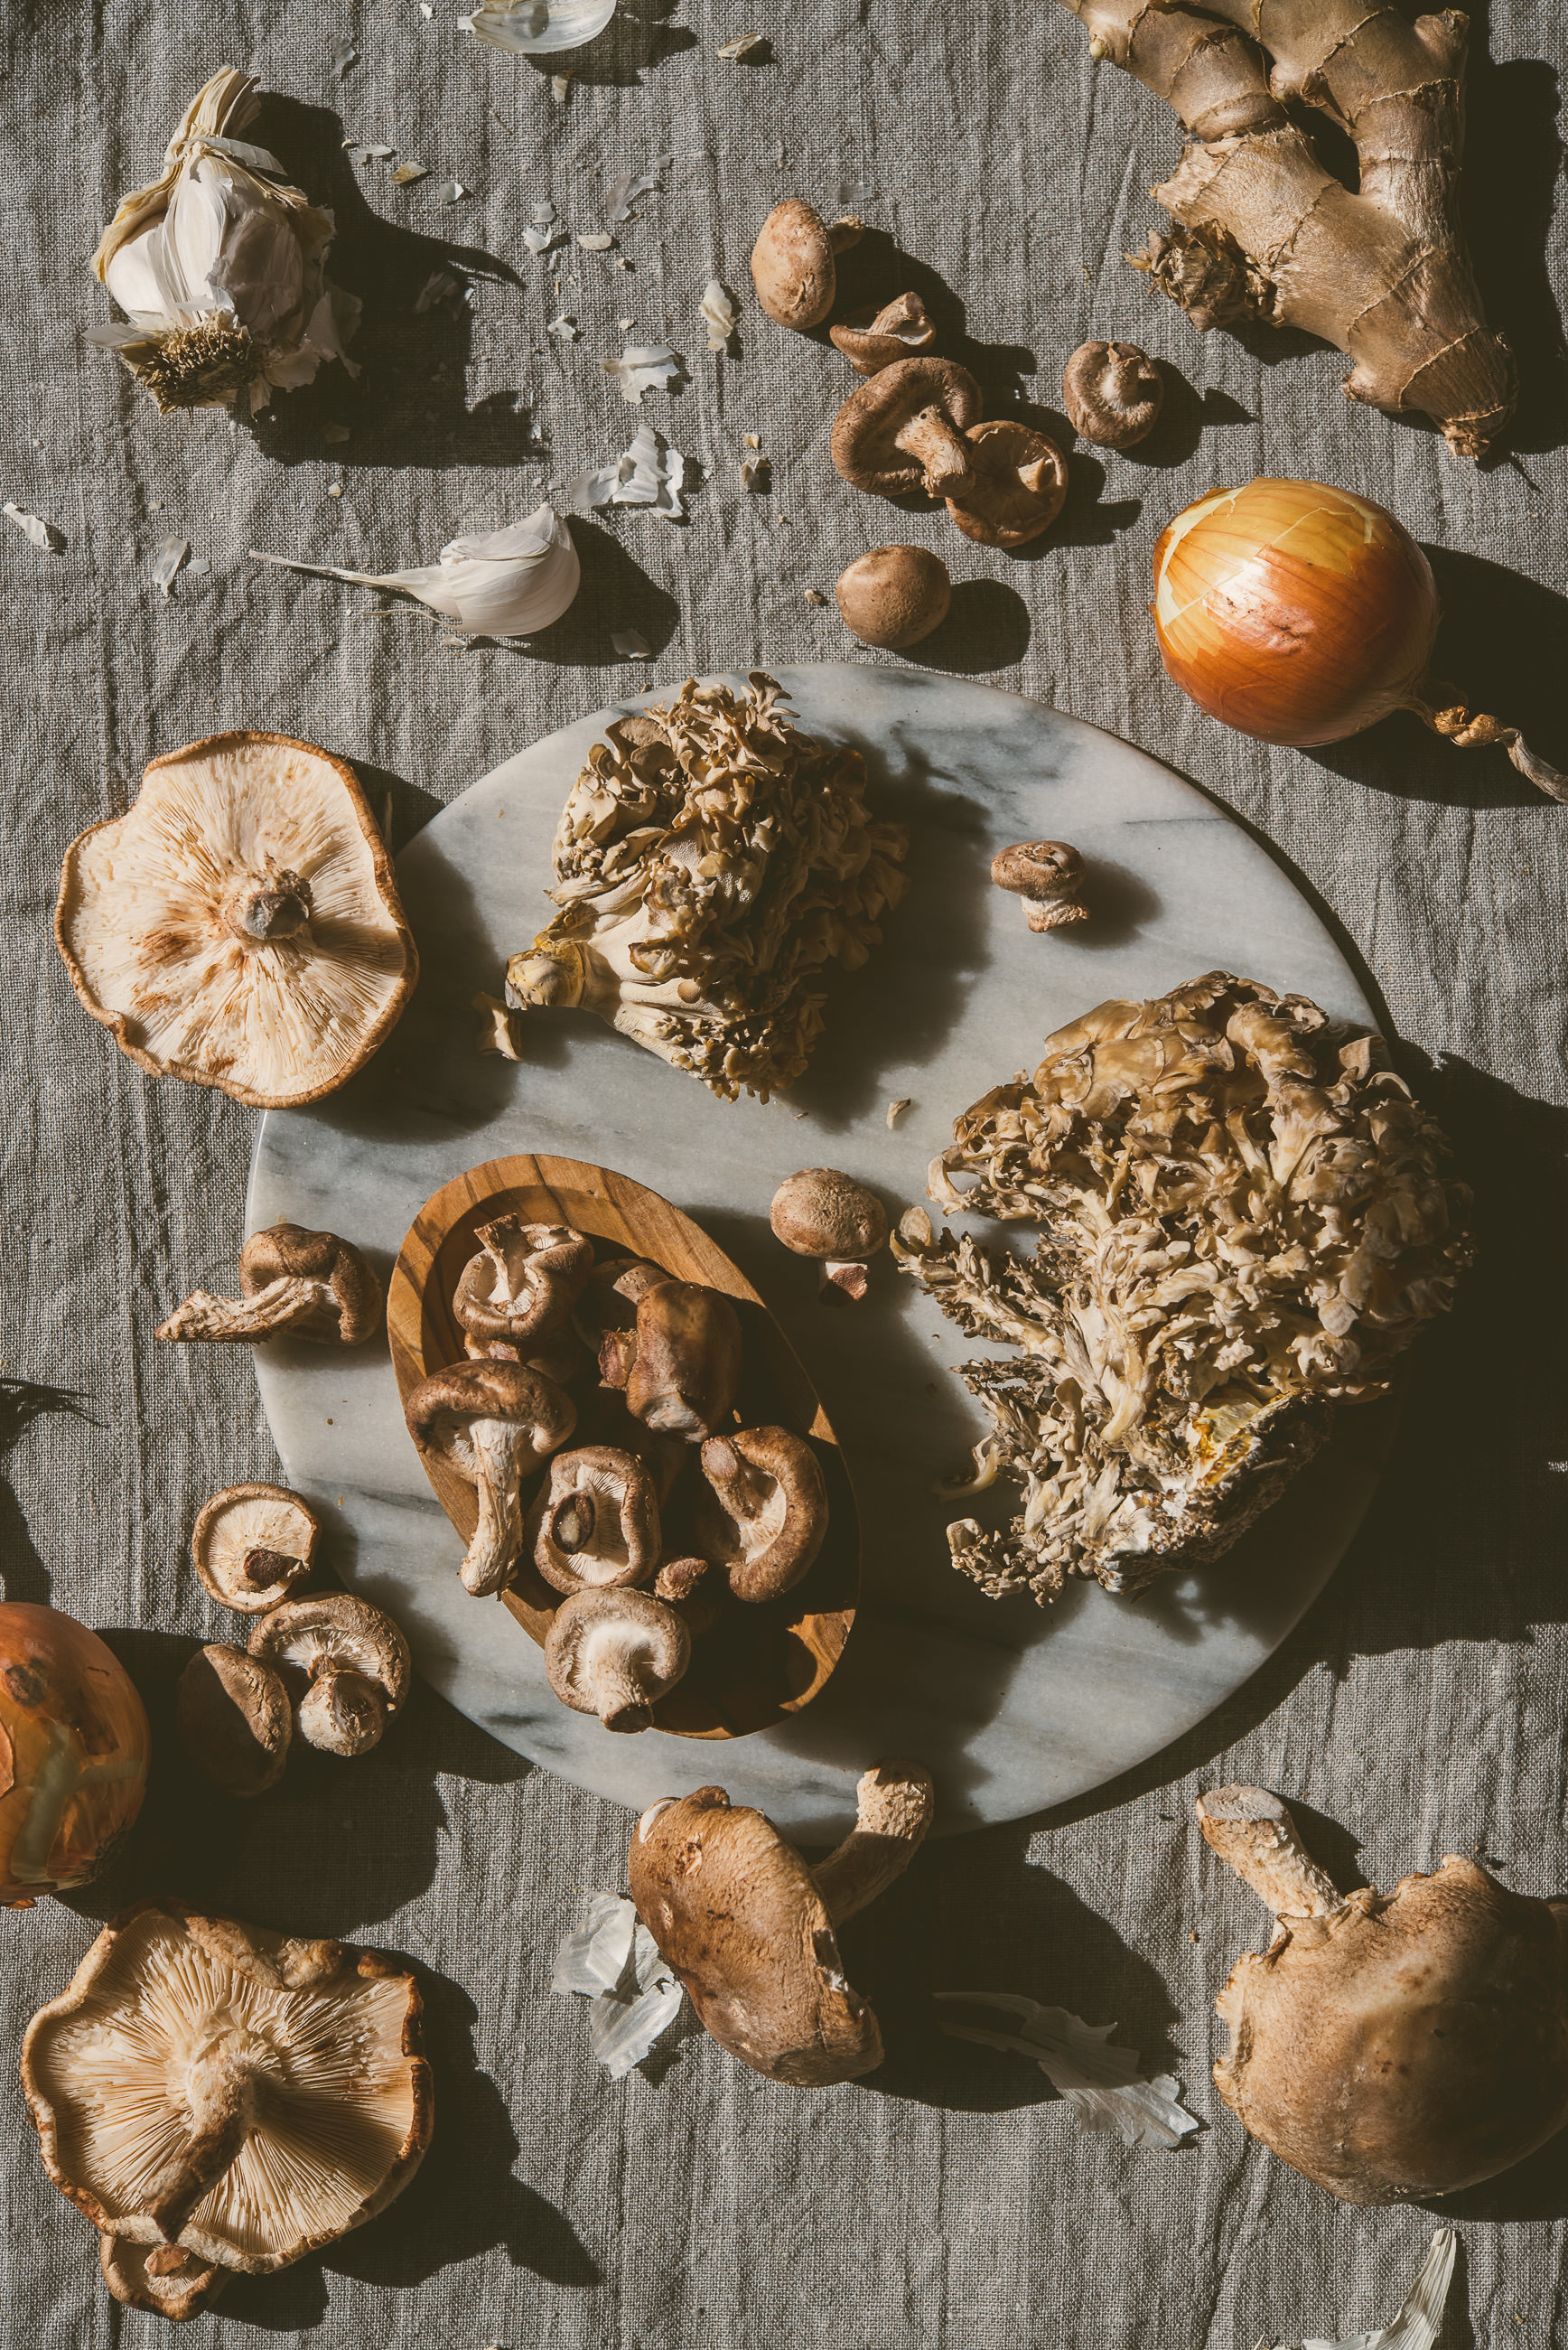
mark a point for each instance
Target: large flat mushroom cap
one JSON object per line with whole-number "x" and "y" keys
{"x": 735, "y": 1912}
{"x": 240, "y": 926}
{"x": 167, "y": 2008}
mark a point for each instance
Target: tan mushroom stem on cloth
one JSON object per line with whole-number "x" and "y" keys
{"x": 1390, "y": 2047}
{"x": 615, "y": 1652}
{"x": 345, "y": 1664}
{"x": 523, "y": 1282}
{"x": 765, "y": 1516}
{"x": 311, "y": 1284}
{"x": 1015, "y": 486}
{"x": 244, "y": 2096}
{"x": 595, "y": 1523}
{"x": 240, "y": 925}
{"x": 493, "y": 1423}
{"x": 749, "y": 1929}
{"x": 904, "y": 431}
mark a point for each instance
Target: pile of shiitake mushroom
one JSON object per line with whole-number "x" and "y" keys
{"x": 594, "y": 1417}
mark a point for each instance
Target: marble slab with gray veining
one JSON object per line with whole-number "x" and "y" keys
{"x": 1014, "y": 1707}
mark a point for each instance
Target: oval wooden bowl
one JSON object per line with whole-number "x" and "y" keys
{"x": 758, "y": 1665}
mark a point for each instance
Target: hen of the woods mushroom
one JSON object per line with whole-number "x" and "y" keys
{"x": 711, "y": 860}
{"x": 1243, "y": 1222}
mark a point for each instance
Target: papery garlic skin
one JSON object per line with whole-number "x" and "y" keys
{"x": 220, "y": 268}
{"x": 504, "y": 583}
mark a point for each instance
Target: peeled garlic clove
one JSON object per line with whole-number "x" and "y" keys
{"x": 530, "y": 28}
{"x": 502, "y": 583}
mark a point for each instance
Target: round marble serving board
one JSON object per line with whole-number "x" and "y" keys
{"x": 1014, "y": 1707}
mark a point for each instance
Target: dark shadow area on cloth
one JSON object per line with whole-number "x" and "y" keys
{"x": 1514, "y": 154}
{"x": 1534, "y": 2193}
{"x": 1183, "y": 419}
{"x": 973, "y": 1915}
{"x": 1501, "y": 641}
{"x": 399, "y": 807}
{"x": 22, "y": 1575}
{"x": 986, "y": 628}
{"x": 616, "y": 593}
{"x": 369, "y": 1826}
{"x": 1084, "y": 519}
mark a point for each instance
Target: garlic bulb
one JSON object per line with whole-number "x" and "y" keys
{"x": 507, "y": 583}
{"x": 531, "y": 26}
{"x": 219, "y": 267}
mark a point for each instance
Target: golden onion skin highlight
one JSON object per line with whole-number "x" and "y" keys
{"x": 1293, "y": 612}
{"x": 74, "y": 1751}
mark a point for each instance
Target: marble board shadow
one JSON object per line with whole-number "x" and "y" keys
{"x": 1014, "y": 1707}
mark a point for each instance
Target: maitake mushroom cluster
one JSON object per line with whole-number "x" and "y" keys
{"x": 1243, "y": 1222}
{"x": 711, "y": 860}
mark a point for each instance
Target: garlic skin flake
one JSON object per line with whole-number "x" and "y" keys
{"x": 530, "y": 28}
{"x": 1101, "y": 2082}
{"x": 718, "y": 314}
{"x": 45, "y": 535}
{"x": 649, "y": 473}
{"x": 219, "y": 268}
{"x": 506, "y": 583}
{"x": 1421, "y": 2320}
{"x": 613, "y": 1961}
{"x": 645, "y": 367}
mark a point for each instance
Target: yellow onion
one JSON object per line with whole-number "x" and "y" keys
{"x": 1300, "y": 614}
{"x": 74, "y": 1751}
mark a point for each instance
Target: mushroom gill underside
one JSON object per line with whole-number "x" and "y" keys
{"x": 1241, "y": 1223}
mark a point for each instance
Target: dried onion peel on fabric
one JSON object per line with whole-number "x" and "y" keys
{"x": 1243, "y": 1221}
{"x": 219, "y": 268}
{"x": 711, "y": 860}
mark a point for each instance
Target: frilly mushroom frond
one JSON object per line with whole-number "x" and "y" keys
{"x": 711, "y": 860}
{"x": 1243, "y": 1220}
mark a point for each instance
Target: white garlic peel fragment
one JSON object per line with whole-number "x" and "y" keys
{"x": 631, "y": 644}
{"x": 506, "y": 583}
{"x": 169, "y": 559}
{"x": 645, "y": 367}
{"x": 717, "y": 312}
{"x": 38, "y": 533}
{"x": 530, "y": 28}
{"x": 613, "y": 1963}
{"x": 1103, "y": 2085}
{"x": 649, "y": 473}
{"x": 220, "y": 268}
{"x": 1419, "y": 2321}
{"x": 624, "y": 192}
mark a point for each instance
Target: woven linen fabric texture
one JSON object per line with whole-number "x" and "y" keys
{"x": 1419, "y": 1709}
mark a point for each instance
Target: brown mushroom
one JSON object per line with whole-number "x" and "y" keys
{"x": 239, "y": 926}
{"x": 206, "y": 2088}
{"x": 165, "y": 2278}
{"x": 605, "y": 1420}
{"x": 688, "y": 1363}
{"x": 1015, "y": 486}
{"x": 615, "y": 1653}
{"x": 251, "y": 1544}
{"x": 792, "y": 262}
{"x": 749, "y": 1929}
{"x": 493, "y": 1423}
{"x": 905, "y": 429}
{"x": 692, "y": 1588}
{"x": 823, "y": 1213}
{"x": 345, "y": 1664}
{"x": 561, "y": 1357}
{"x": 873, "y": 340}
{"x": 894, "y": 595}
{"x": 1390, "y": 2047}
{"x": 524, "y": 1281}
{"x": 233, "y": 1712}
{"x": 1112, "y": 393}
{"x": 310, "y": 1284}
{"x": 1048, "y": 874}
{"x": 764, "y": 1518}
{"x": 595, "y": 1524}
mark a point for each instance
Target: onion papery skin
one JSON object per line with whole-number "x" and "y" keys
{"x": 1293, "y": 612}
{"x": 74, "y": 1751}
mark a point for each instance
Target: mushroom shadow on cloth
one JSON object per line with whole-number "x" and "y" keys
{"x": 987, "y": 630}
{"x": 876, "y": 270}
{"x": 463, "y": 2198}
{"x": 1184, "y": 418}
{"x": 407, "y": 405}
{"x": 971, "y": 1913}
{"x": 1085, "y": 519}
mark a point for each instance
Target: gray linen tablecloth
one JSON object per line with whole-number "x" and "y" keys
{"x": 1419, "y": 1709}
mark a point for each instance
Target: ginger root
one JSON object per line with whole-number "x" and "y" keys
{"x": 1264, "y": 232}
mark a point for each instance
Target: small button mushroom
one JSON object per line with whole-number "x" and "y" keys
{"x": 688, "y": 1585}
{"x": 312, "y": 1284}
{"x": 345, "y": 1663}
{"x": 234, "y": 1715}
{"x": 688, "y": 1364}
{"x": 894, "y": 595}
{"x": 1396, "y": 2046}
{"x": 1048, "y": 874}
{"x": 823, "y": 1213}
{"x": 793, "y": 262}
{"x": 764, "y": 1518}
{"x": 616, "y": 1653}
{"x": 523, "y": 1282}
{"x": 493, "y": 1423}
{"x": 252, "y": 1544}
{"x": 750, "y": 1929}
{"x": 1112, "y": 393}
{"x": 1015, "y": 487}
{"x": 165, "y": 2278}
{"x": 904, "y": 431}
{"x": 873, "y": 340}
{"x": 595, "y": 1523}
